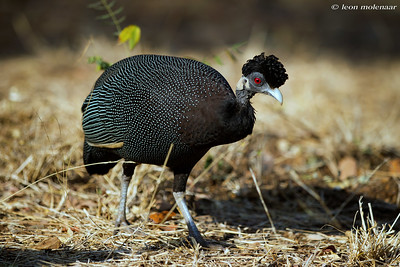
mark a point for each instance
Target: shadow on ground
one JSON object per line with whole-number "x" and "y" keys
{"x": 296, "y": 209}
{"x": 29, "y": 257}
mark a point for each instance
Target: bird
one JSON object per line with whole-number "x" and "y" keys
{"x": 143, "y": 105}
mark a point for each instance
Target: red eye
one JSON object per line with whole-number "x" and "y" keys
{"x": 257, "y": 80}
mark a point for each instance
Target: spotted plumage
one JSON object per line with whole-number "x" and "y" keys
{"x": 148, "y": 102}
{"x": 141, "y": 105}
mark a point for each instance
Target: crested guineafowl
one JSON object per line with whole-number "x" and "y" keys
{"x": 142, "y": 104}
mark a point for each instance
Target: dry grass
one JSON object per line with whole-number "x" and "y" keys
{"x": 53, "y": 213}
{"x": 373, "y": 244}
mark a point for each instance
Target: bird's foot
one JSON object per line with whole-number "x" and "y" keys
{"x": 210, "y": 244}
{"x": 198, "y": 240}
{"x": 215, "y": 246}
{"x": 122, "y": 224}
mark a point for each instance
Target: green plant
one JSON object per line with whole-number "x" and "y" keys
{"x": 129, "y": 34}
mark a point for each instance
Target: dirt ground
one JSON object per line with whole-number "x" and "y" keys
{"x": 335, "y": 139}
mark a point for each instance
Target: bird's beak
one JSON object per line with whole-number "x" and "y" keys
{"x": 244, "y": 84}
{"x": 274, "y": 92}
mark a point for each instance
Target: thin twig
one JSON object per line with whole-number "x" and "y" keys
{"x": 263, "y": 202}
{"x": 295, "y": 177}
{"x": 353, "y": 194}
{"x": 54, "y": 174}
{"x": 160, "y": 178}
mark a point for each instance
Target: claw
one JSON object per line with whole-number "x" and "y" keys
{"x": 122, "y": 224}
{"x": 194, "y": 233}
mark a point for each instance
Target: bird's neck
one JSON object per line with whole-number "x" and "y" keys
{"x": 246, "y": 112}
{"x": 244, "y": 96}
{"x": 240, "y": 117}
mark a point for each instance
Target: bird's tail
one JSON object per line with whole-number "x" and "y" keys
{"x": 93, "y": 155}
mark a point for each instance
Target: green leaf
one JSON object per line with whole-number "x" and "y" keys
{"x": 105, "y": 16}
{"x": 236, "y": 47}
{"x": 130, "y": 34}
{"x": 100, "y": 63}
{"x": 120, "y": 20}
{"x": 218, "y": 60}
{"x": 119, "y": 10}
{"x": 97, "y": 6}
{"x": 111, "y": 4}
{"x": 231, "y": 55}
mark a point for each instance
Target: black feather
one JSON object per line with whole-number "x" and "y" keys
{"x": 273, "y": 70}
{"x": 94, "y": 156}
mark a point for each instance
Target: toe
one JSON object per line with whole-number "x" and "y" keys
{"x": 122, "y": 225}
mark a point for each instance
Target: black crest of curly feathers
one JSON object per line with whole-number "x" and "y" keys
{"x": 273, "y": 70}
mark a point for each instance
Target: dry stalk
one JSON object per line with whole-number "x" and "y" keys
{"x": 372, "y": 244}
{"x": 262, "y": 201}
{"x": 159, "y": 180}
{"x": 51, "y": 175}
{"x": 295, "y": 177}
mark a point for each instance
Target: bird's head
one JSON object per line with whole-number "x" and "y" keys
{"x": 262, "y": 75}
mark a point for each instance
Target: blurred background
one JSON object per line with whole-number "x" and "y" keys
{"x": 203, "y": 26}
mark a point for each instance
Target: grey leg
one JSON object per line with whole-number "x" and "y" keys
{"x": 180, "y": 179}
{"x": 128, "y": 169}
{"x": 183, "y": 209}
